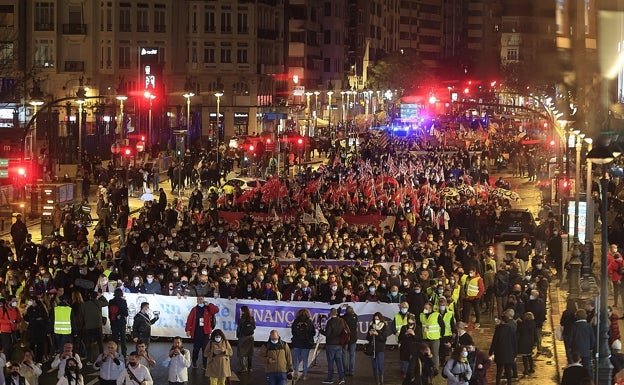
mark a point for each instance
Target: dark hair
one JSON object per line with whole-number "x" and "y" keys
{"x": 245, "y": 313}
{"x": 456, "y": 354}
{"x": 217, "y": 332}
{"x": 71, "y": 359}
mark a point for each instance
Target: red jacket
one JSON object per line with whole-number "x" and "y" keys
{"x": 614, "y": 269}
{"x": 10, "y": 319}
{"x": 191, "y": 321}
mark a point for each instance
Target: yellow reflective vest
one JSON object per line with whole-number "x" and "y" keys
{"x": 473, "y": 287}
{"x": 400, "y": 320}
{"x": 447, "y": 318}
{"x": 62, "y": 320}
{"x": 431, "y": 327}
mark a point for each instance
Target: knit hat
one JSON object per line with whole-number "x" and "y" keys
{"x": 616, "y": 345}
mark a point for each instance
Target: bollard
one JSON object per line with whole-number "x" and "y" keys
{"x": 574, "y": 276}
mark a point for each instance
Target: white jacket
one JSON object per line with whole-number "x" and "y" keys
{"x": 109, "y": 370}
{"x": 178, "y": 366}
{"x": 59, "y": 364}
{"x": 140, "y": 372}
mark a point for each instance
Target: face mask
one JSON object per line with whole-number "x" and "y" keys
{"x": 274, "y": 341}
{"x": 334, "y": 288}
{"x": 150, "y": 280}
{"x": 45, "y": 280}
{"x": 464, "y": 354}
{"x": 371, "y": 290}
{"x": 404, "y": 310}
{"x": 217, "y": 339}
{"x": 440, "y": 291}
{"x": 426, "y": 311}
{"x": 442, "y": 308}
{"x": 377, "y": 321}
{"x": 471, "y": 275}
{"x": 14, "y": 303}
{"x": 134, "y": 364}
{"x": 393, "y": 293}
{"x": 531, "y": 297}
{"x": 417, "y": 291}
{"x": 73, "y": 368}
{"x": 394, "y": 272}
{"x": 136, "y": 282}
{"x": 30, "y": 303}
{"x": 200, "y": 304}
{"x": 539, "y": 265}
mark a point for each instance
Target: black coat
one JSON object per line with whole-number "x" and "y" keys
{"x": 526, "y": 336}
{"x": 352, "y": 323}
{"x": 381, "y": 337}
{"x": 305, "y": 340}
{"x": 582, "y": 338}
{"x": 504, "y": 345}
{"x": 573, "y": 374}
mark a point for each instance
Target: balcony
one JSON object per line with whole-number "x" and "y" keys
{"x": 74, "y": 66}
{"x": 268, "y": 34}
{"x": 74, "y": 29}
{"x": 44, "y": 26}
{"x": 160, "y": 28}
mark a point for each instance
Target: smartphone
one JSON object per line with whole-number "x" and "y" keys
{"x": 156, "y": 312}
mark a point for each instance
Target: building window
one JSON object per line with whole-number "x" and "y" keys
{"x": 327, "y": 37}
{"x": 512, "y": 54}
{"x": 106, "y": 57}
{"x": 142, "y": 23}
{"x": 44, "y": 16}
{"x": 242, "y": 23}
{"x": 226, "y": 22}
{"x": 125, "y": 25}
{"x": 226, "y": 55}
{"x": 7, "y": 16}
{"x": 124, "y": 58}
{"x": 159, "y": 21}
{"x": 241, "y": 56}
{"x": 210, "y": 22}
{"x": 327, "y": 8}
{"x": 327, "y": 65}
{"x": 209, "y": 55}
{"x": 44, "y": 53}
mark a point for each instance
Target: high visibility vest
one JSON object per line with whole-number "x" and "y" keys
{"x": 447, "y": 318}
{"x": 62, "y": 320}
{"x": 107, "y": 272}
{"x": 431, "y": 327}
{"x": 473, "y": 287}
{"x": 400, "y": 320}
{"x": 456, "y": 293}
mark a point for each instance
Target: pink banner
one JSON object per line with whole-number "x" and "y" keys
{"x": 377, "y": 221}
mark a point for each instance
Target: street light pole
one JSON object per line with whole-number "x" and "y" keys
{"x": 218, "y": 95}
{"x": 33, "y": 143}
{"x": 148, "y": 137}
{"x": 329, "y": 108}
{"x": 122, "y": 99}
{"x": 188, "y": 97}
{"x": 577, "y": 182}
{"x": 80, "y": 103}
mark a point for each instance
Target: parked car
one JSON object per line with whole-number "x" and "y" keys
{"x": 245, "y": 183}
{"x": 514, "y": 224}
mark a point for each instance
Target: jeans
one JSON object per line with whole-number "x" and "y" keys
{"x": 276, "y": 378}
{"x": 199, "y": 344}
{"x": 378, "y": 363}
{"x": 301, "y": 355}
{"x": 334, "y": 354}
{"x": 348, "y": 358}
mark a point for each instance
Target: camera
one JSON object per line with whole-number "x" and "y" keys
{"x": 156, "y": 313}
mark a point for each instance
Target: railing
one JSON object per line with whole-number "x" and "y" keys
{"x": 74, "y": 29}
{"x": 44, "y": 26}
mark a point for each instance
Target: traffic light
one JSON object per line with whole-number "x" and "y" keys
{"x": 300, "y": 142}
{"x": 21, "y": 171}
{"x": 180, "y": 148}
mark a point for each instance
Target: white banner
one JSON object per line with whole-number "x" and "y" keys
{"x": 211, "y": 257}
{"x": 268, "y": 315}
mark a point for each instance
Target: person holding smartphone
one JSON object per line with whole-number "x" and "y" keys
{"x": 142, "y": 327}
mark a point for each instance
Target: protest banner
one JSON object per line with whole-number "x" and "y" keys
{"x": 268, "y": 315}
{"x": 211, "y": 257}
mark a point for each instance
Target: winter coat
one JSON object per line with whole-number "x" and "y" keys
{"x": 504, "y": 345}
{"x": 218, "y": 359}
{"x": 277, "y": 357}
{"x": 381, "y": 337}
{"x": 92, "y": 311}
{"x": 582, "y": 338}
{"x": 303, "y": 340}
{"x": 526, "y": 336}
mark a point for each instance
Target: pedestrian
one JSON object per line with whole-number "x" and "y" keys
{"x": 15, "y": 377}
{"x": 199, "y": 326}
{"x": 420, "y": 368}
{"x": 480, "y": 363}
{"x": 617, "y": 358}
{"x": 19, "y": 231}
{"x": 178, "y": 362}
{"x": 135, "y": 373}
{"x": 303, "y": 333}
{"x": 118, "y": 316}
{"x": 71, "y": 373}
{"x": 457, "y": 370}
{"x": 218, "y": 352}
{"x": 277, "y": 359}
{"x": 62, "y": 323}
{"x": 575, "y": 371}
{"x": 523, "y": 254}
{"x": 333, "y": 348}
{"x": 400, "y": 319}
{"x": 503, "y": 350}
{"x": 110, "y": 364}
{"x": 60, "y": 360}
{"x": 142, "y": 325}
{"x": 10, "y": 320}
{"x": 432, "y": 330}
{"x": 615, "y": 268}
{"x": 409, "y": 337}
{"x": 144, "y": 357}
{"x": 462, "y": 338}
{"x": 448, "y": 317}
{"x": 30, "y": 369}
{"x": 93, "y": 324}
{"x": 537, "y": 306}
{"x": 348, "y": 351}
{"x": 377, "y": 334}
{"x": 527, "y": 337}
{"x": 582, "y": 339}
{"x": 245, "y": 334}
{"x": 474, "y": 289}
{"x": 614, "y": 325}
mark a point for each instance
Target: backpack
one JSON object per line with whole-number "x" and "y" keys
{"x": 452, "y": 367}
{"x": 113, "y": 312}
{"x": 246, "y": 329}
{"x": 300, "y": 330}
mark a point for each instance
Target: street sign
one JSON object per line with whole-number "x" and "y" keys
{"x": 299, "y": 91}
{"x": 4, "y": 162}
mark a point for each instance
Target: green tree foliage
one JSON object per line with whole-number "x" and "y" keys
{"x": 403, "y": 71}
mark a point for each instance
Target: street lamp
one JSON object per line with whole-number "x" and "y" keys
{"x": 80, "y": 103}
{"x": 308, "y": 95}
{"x": 329, "y": 107}
{"x": 601, "y": 155}
{"x": 122, "y": 99}
{"x": 218, "y": 95}
{"x": 342, "y": 106}
{"x": 577, "y": 178}
{"x": 33, "y": 143}
{"x": 589, "y": 225}
{"x": 149, "y": 97}
{"x": 188, "y": 97}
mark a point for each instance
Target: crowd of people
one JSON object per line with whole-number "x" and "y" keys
{"x": 437, "y": 263}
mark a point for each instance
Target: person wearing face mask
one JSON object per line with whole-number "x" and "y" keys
{"x": 14, "y": 377}
{"x": 555, "y": 252}
{"x": 537, "y": 306}
{"x": 371, "y": 295}
{"x": 142, "y": 326}
{"x": 199, "y": 326}
{"x": 303, "y": 332}
{"x": 416, "y": 299}
{"x": 377, "y": 334}
{"x": 245, "y": 328}
{"x": 503, "y": 349}
{"x": 420, "y": 366}
{"x": 71, "y": 373}
{"x": 135, "y": 373}
{"x": 457, "y": 370}
{"x": 433, "y": 328}
{"x": 217, "y": 356}
{"x": 409, "y": 335}
{"x": 448, "y": 317}
{"x": 400, "y": 319}
{"x": 474, "y": 290}
{"x": 277, "y": 359}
